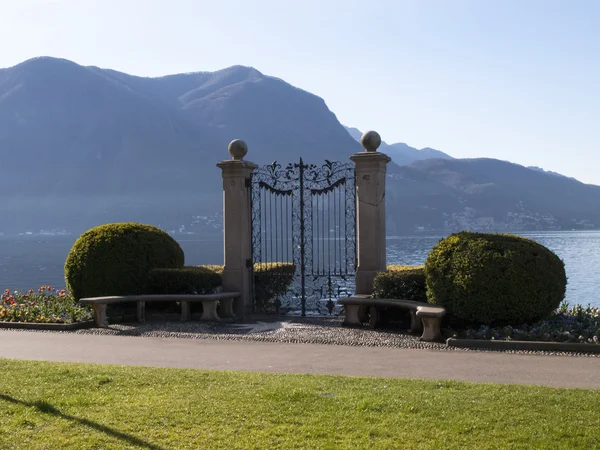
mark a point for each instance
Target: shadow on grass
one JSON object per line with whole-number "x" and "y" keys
{"x": 47, "y": 408}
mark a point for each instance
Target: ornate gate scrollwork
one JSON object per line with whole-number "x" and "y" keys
{"x": 303, "y": 236}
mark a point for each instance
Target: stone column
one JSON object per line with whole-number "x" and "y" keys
{"x": 237, "y": 224}
{"x": 370, "y": 211}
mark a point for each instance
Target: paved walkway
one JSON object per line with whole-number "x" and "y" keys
{"x": 559, "y": 371}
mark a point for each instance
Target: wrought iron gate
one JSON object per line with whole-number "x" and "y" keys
{"x": 303, "y": 228}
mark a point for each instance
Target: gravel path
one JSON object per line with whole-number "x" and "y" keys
{"x": 292, "y": 330}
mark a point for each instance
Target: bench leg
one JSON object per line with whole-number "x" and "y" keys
{"x": 363, "y": 313}
{"x": 141, "y": 311}
{"x": 416, "y": 325}
{"x": 185, "y": 311}
{"x": 209, "y": 310}
{"x": 100, "y": 315}
{"x": 373, "y": 317}
{"x": 431, "y": 329}
{"x": 226, "y": 307}
{"x": 351, "y": 315}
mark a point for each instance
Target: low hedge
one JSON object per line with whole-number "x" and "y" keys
{"x": 401, "y": 282}
{"x": 271, "y": 281}
{"x": 187, "y": 280}
{"x": 494, "y": 279}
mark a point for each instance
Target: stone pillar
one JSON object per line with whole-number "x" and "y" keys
{"x": 237, "y": 225}
{"x": 370, "y": 211}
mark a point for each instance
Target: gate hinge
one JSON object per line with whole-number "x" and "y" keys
{"x": 248, "y": 263}
{"x": 248, "y": 182}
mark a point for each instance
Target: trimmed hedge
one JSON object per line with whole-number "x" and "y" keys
{"x": 494, "y": 278}
{"x": 187, "y": 280}
{"x": 115, "y": 259}
{"x": 401, "y": 282}
{"x": 271, "y": 281}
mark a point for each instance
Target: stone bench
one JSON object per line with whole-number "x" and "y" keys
{"x": 209, "y": 305}
{"x": 423, "y": 316}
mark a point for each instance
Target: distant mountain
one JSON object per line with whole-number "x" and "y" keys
{"x": 539, "y": 169}
{"x": 400, "y": 152}
{"x": 95, "y": 144}
{"x": 487, "y": 194}
{"x": 354, "y": 132}
{"x": 81, "y": 146}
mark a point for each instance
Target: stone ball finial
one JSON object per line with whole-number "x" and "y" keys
{"x": 237, "y": 149}
{"x": 370, "y": 141}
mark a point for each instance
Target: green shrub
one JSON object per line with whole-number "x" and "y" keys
{"x": 187, "y": 280}
{"x": 494, "y": 278}
{"x": 271, "y": 280}
{"x": 402, "y": 282}
{"x": 115, "y": 259}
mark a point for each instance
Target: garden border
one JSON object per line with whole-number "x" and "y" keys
{"x": 523, "y": 345}
{"x": 47, "y": 326}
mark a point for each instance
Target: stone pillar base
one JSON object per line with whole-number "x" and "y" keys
{"x": 239, "y": 281}
{"x": 364, "y": 281}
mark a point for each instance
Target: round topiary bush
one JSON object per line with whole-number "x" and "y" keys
{"x": 494, "y": 278}
{"x": 115, "y": 259}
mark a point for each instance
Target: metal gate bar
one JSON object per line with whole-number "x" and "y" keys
{"x": 305, "y": 215}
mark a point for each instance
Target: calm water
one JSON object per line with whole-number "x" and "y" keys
{"x": 29, "y": 262}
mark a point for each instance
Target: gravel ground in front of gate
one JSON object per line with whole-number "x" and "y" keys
{"x": 295, "y": 330}
{"x": 292, "y": 330}
{"x": 286, "y": 330}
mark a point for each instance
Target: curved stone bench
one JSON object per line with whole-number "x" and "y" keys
{"x": 423, "y": 316}
{"x": 209, "y": 305}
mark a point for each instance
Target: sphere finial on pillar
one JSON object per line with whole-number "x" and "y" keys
{"x": 237, "y": 149}
{"x": 370, "y": 141}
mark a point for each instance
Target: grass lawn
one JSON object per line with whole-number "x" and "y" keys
{"x": 53, "y": 405}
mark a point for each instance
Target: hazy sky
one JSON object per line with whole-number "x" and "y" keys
{"x": 514, "y": 80}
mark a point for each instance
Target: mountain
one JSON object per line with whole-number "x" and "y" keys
{"x": 355, "y": 133}
{"x": 400, "y": 152}
{"x": 95, "y": 144}
{"x": 81, "y": 146}
{"x": 487, "y": 194}
{"x": 539, "y": 169}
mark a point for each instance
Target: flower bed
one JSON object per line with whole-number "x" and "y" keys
{"x": 574, "y": 324}
{"x": 47, "y": 305}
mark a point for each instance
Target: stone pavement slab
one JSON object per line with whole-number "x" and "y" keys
{"x": 546, "y": 370}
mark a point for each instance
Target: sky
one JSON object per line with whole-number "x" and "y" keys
{"x": 513, "y": 80}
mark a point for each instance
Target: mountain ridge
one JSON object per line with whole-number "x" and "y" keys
{"x": 400, "y": 152}
{"x": 81, "y": 145}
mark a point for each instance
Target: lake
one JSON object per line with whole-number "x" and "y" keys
{"x": 29, "y": 262}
